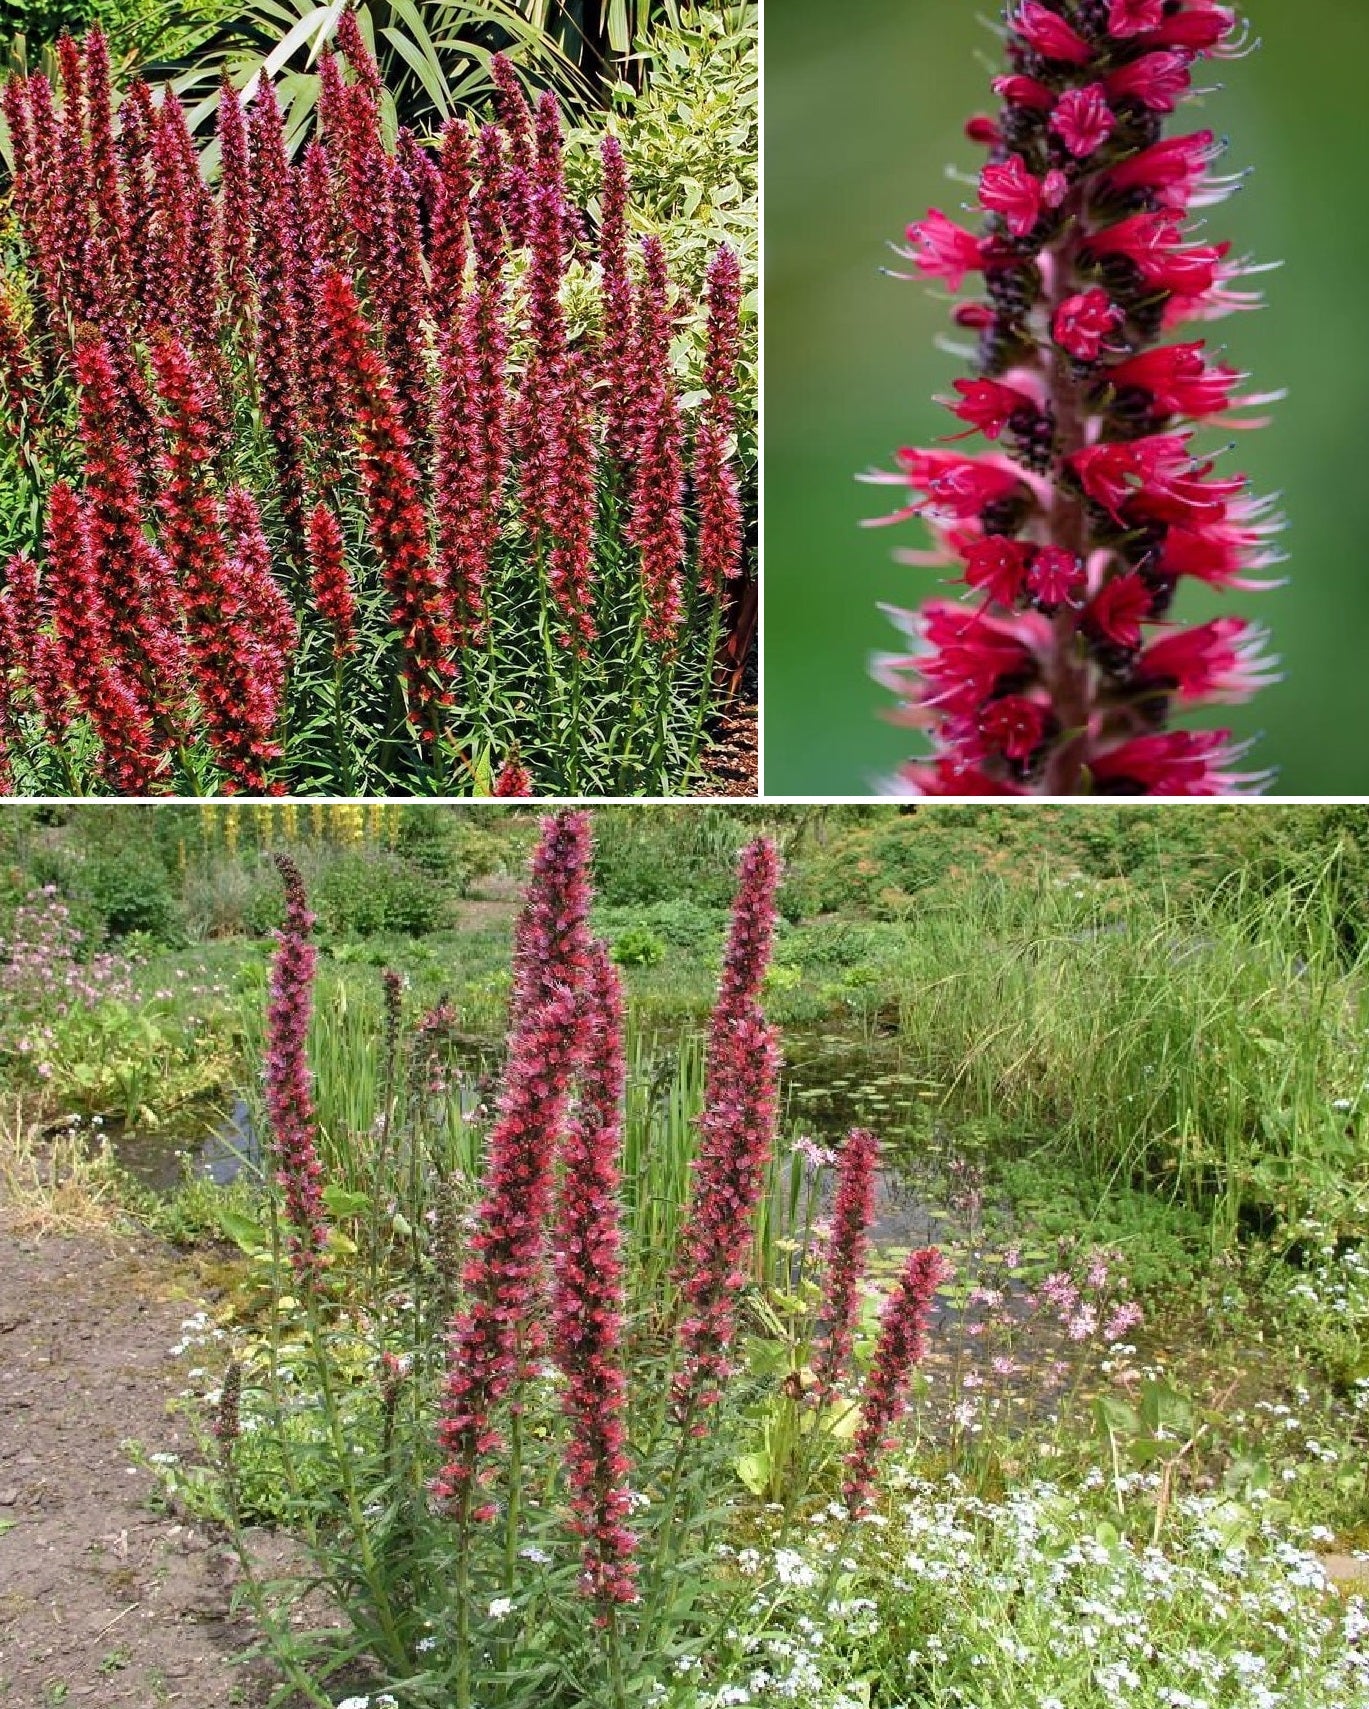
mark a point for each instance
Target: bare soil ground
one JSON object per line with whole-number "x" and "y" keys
{"x": 103, "y": 1597}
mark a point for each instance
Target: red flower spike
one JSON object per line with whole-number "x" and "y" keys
{"x": 1072, "y": 532}
{"x": 273, "y": 620}
{"x": 898, "y": 1350}
{"x": 496, "y": 1335}
{"x": 133, "y": 576}
{"x": 137, "y": 121}
{"x": 235, "y": 194}
{"x": 715, "y": 477}
{"x": 519, "y": 175}
{"x": 404, "y": 309}
{"x": 472, "y": 450}
{"x": 275, "y": 259}
{"x": 587, "y": 1299}
{"x": 104, "y": 167}
{"x": 449, "y": 244}
{"x": 512, "y": 778}
{"x": 321, "y": 234}
{"x": 736, "y": 1138}
{"x": 847, "y": 1248}
{"x": 542, "y": 405}
{"x": 657, "y": 524}
{"x": 359, "y": 57}
{"x": 223, "y": 613}
{"x": 331, "y": 583}
{"x": 129, "y": 761}
{"x": 29, "y": 647}
{"x": 570, "y": 570}
{"x": 394, "y": 507}
{"x": 289, "y": 1083}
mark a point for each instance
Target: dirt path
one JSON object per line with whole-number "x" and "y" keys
{"x": 102, "y": 1598}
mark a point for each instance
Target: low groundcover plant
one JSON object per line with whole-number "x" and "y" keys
{"x": 378, "y": 469}
{"x": 1060, "y": 670}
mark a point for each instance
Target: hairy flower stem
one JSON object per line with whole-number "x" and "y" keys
{"x": 613, "y": 1650}
{"x": 342, "y": 748}
{"x": 1066, "y": 672}
{"x": 663, "y": 1553}
{"x": 665, "y": 699}
{"x": 342, "y": 1456}
{"x": 463, "y": 1599}
{"x": 573, "y": 738}
{"x": 715, "y": 617}
{"x": 514, "y": 1511}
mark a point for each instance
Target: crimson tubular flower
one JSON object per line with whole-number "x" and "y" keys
{"x": 1061, "y": 669}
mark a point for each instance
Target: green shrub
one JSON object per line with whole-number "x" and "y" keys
{"x": 638, "y": 946}
{"x": 362, "y": 894}
{"x": 129, "y": 891}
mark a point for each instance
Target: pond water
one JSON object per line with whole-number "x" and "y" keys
{"x": 213, "y": 1143}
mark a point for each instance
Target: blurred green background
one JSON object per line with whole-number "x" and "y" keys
{"x": 864, "y": 109}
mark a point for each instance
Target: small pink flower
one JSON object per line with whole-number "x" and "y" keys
{"x": 1009, "y": 189}
{"x": 944, "y": 250}
{"x": 1050, "y": 34}
{"x": 1083, "y": 120}
{"x": 1083, "y": 323}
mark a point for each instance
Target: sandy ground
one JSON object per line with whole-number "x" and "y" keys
{"x": 103, "y": 1597}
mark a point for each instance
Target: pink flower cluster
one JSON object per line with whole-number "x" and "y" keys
{"x": 1061, "y": 669}
{"x": 736, "y": 1141}
{"x": 289, "y": 1084}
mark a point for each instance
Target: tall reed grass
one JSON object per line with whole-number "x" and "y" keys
{"x": 1216, "y": 1053}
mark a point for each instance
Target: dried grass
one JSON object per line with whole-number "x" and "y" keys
{"x": 56, "y": 1180}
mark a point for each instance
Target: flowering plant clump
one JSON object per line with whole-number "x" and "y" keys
{"x": 521, "y": 1424}
{"x": 366, "y": 470}
{"x": 1061, "y": 670}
